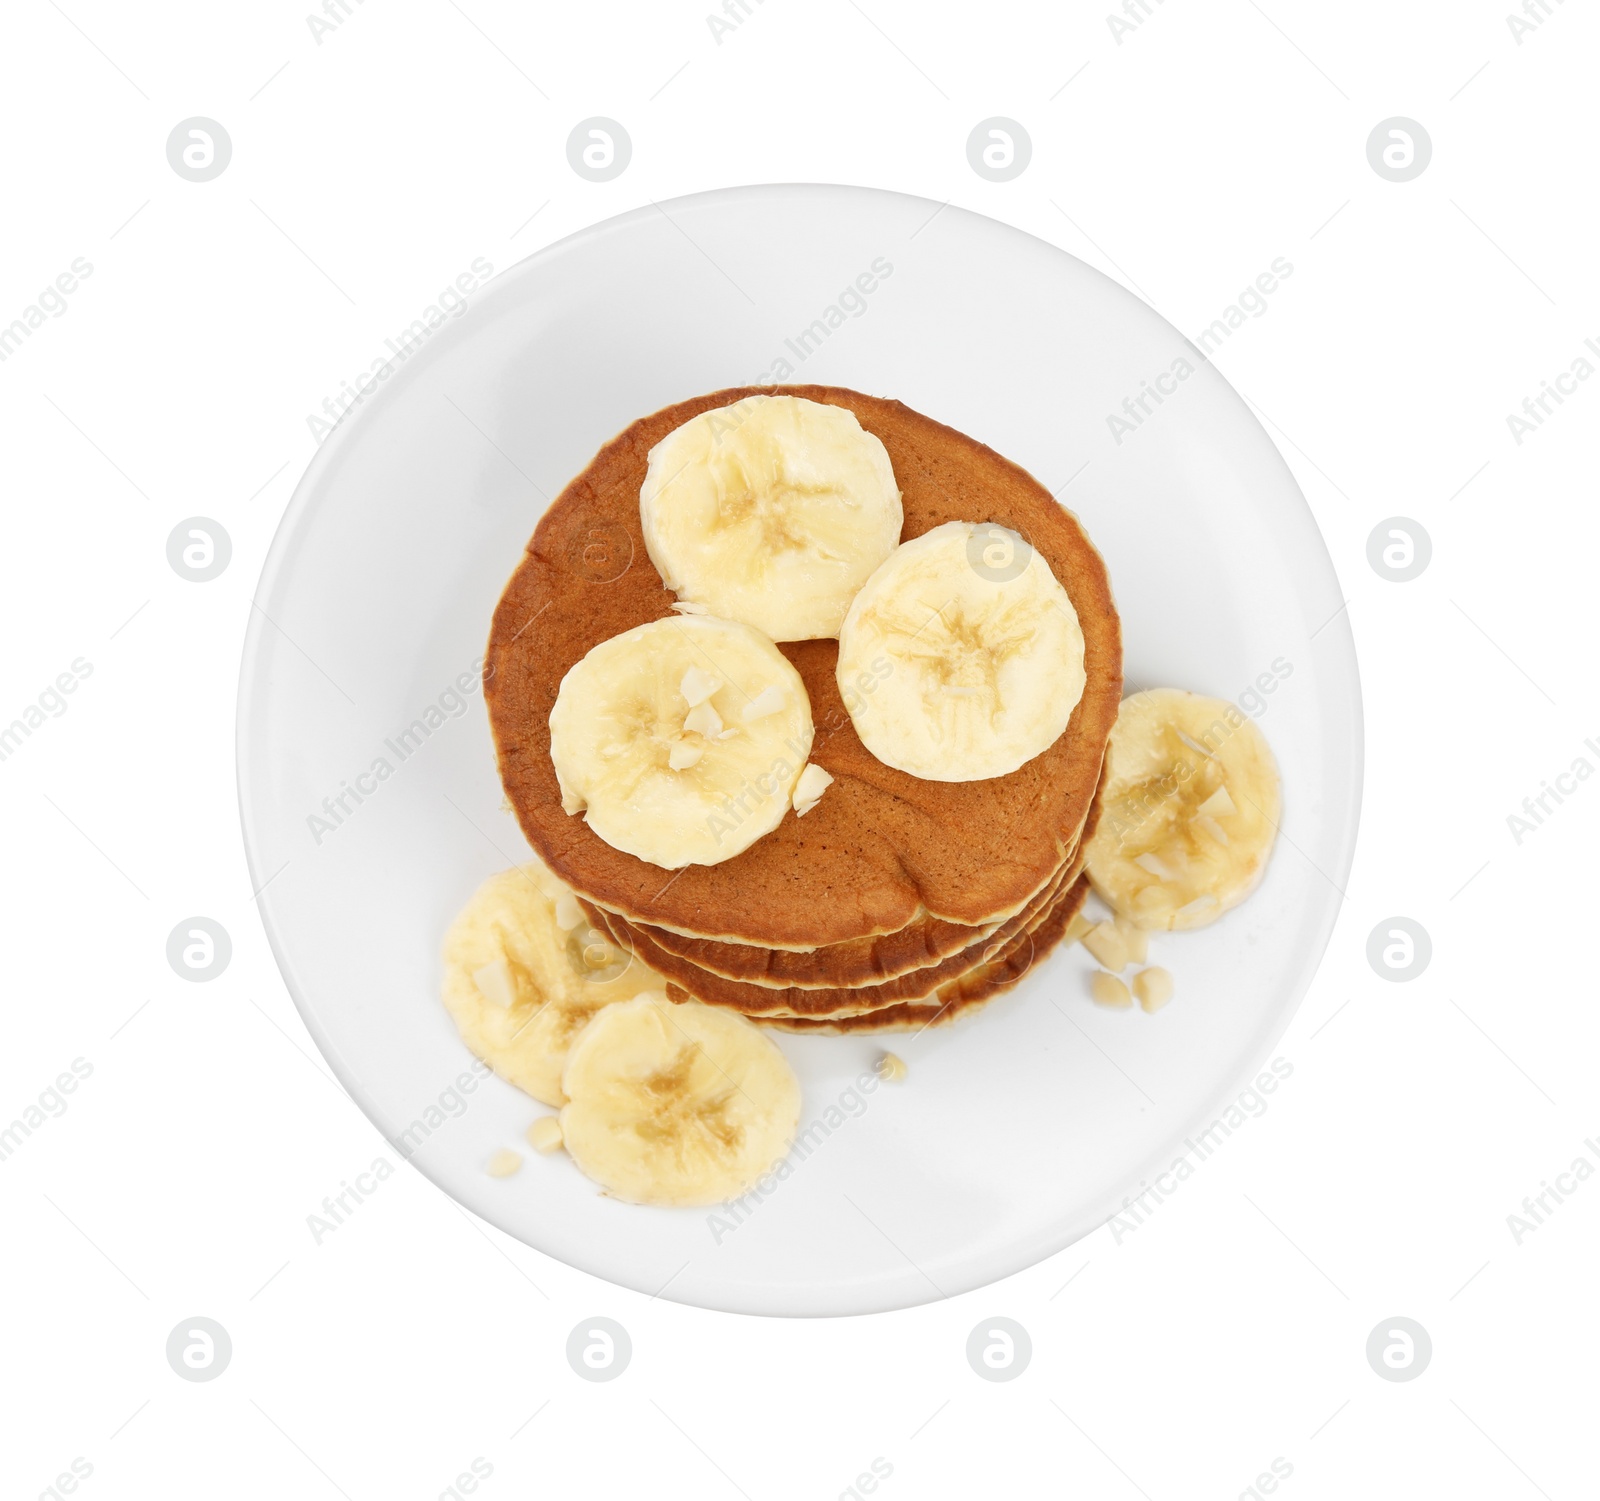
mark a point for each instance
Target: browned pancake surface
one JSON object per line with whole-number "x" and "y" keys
{"x": 860, "y": 961}
{"x": 882, "y": 848}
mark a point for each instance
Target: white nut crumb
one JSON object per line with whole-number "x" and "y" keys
{"x": 768, "y": 701}
{"x": 697, "y": 686}
{"x": 1107, "y": 945}
{"x": 683, "y": 754}
{"x": 544, "y": 1135}
{"x": 808, "y": 790}
{"x": 890, "y": 1068}
{"x": 496, "y": 983}
{"x": 703, "y": 719}
{"x": 1153, "y": 987}
{"x": 1155, "y": 865}
{"x": 1108, "y": 990}
{"x": 1135, "y": 941}
{"x": 504, "y": 1163}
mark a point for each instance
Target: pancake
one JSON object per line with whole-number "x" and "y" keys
{"x": 965, "y": 996}
{"x": 838, "y": 966}
{"x": 860, "y": 961}
{"x": 759, "y": 1000}
{"x": 882, "y": 848}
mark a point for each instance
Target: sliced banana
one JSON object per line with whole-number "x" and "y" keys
{"x": 1189, "y": 808}
{"x": 521, "y": 985}
{"x": 961, "y": 658}
{"x": 681, "y": 741}
{"x": 772, "y": 511}
{"x": 676, "y": 1104}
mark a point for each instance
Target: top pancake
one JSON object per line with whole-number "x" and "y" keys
{"x": 883, "y": 848}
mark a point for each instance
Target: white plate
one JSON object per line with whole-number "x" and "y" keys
{"x": 1017, "y": 1131}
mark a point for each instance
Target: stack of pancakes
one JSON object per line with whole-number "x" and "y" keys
{"x": 896, "y": 902}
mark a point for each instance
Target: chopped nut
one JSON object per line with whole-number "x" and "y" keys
{"x": 808, "y": 789}
{"x": 768, "y": 701}
{"x": 504, "y": 1163}
{"x": 496, "y": 982}
{"x": 697, "y": 686}
{"x": 1218, "y": 805}
{"x": 1153, "y": 987}
{"x": 1108, "y": 990}
{"x": 684, "y": 754}
{"x": 1135, "y": 940}
{"x": 1155, "y": 865}
{"x": 703, "y": 720}
{"x": 1107, "y": 945}
{"x": 544, "y": 1135}
{"x": 890, "y": 1069}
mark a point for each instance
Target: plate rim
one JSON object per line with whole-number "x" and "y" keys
{"x": 1347, "y": 751}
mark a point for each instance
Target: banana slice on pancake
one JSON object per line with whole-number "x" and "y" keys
{"x": 676, "y": 1104}
{"x": 524, "y": 972}
{"x": 681, "y": 741}
{"x": 1189, "y": 810}
{"x": 771, "y": 511}
{"x": 962, "y": 657}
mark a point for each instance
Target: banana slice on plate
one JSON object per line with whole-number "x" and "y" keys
{"x": 676, "y": 1104}
{"x": 681, "y": 741}
{"x": 772, "y": 511}
{"x": 524, "y": 972}
{"x": 1189, "y": 809}
{"x": 961, "y": 658}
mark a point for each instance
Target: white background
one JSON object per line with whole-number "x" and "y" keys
{"x": 1175, "y": 1361}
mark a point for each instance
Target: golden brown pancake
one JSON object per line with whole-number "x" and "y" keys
{"x": 883, "y": 847}
{"x": 860, "y": 961}
{"x": 870, "y": 960}
{"x": 762, "y": 1000}
{"x": 960, "y": 997}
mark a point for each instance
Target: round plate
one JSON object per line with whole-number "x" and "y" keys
{"x": 371, "y": 805}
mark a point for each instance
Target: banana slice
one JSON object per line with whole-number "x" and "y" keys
{"x": 681, "y": 740}
{"x": 522, "y": 976}
{"x": 772, "y": 511}
{"x": 961, "y": 658}
{"x": 1189, "y": 808}
{"x": 676, "y": 1104}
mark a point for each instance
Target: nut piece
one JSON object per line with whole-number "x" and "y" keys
{"x": 697, "y": 686}
{"x": 704, "y": 720}
{"x": 769, "y": 701}
{"x": 1153, "y": 987}
{"x": 496, "y": 982}
{"x": 1135, "y": 941}
{"x": 1108, "y": 990}
{"x": 890, "y": 1069}
{"x": 1108, "y": 945}
{"x": 814, "y": 781}
{"x": 544, "y": 1135}
{"x": 682, "y": 754}
{"x": 504, "y": 1163}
